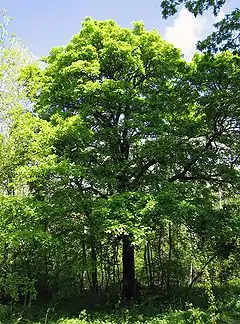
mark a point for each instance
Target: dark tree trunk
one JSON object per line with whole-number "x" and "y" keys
{"x": 129, "y": 283}
{"x": 94, "y": 266}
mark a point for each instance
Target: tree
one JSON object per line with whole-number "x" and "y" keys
{"x": 13, "y": 56}
{"x": 107, "y": 79}
{"x": 130, "y": 116}
{"x": 13, "y": 99}
{"x": 226, "y": 37}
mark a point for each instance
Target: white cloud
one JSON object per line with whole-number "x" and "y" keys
{"x": 186, "y": 30}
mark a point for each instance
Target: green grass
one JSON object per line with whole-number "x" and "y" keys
{"x": 119, "y": 316}
{"x": 135, "y": 315}
{"x": 226, "y": 311}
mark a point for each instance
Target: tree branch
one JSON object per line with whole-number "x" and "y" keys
{"x": 139, "y": 173}
{"x": 202, "y": 271}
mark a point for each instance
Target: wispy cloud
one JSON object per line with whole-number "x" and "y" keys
{"x": 186, "y": 30}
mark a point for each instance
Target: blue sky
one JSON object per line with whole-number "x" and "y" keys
{"x": 43, "y": 24}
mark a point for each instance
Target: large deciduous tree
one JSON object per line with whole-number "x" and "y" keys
{"x": 130, "y": 116}
{"x": 110, "y": 81}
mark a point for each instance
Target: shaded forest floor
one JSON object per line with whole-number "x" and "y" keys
{"x": 196, "y": 307}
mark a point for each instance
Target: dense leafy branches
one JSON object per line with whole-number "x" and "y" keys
{"x": 129, "y": 116}
{"x": 118, "y": 171}
{"x": 226, "y": 36}
{"x": 13, "y": 56}
{"x": 170, "y": 7}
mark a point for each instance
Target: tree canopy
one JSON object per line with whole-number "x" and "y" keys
{"x": 131, "y": 116}
{"x": 124, "y": 175}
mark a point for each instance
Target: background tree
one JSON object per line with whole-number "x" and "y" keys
{"x": 226, "y": 36}
{"x": 13, "y": 56}
{"x": 13, "y": 99}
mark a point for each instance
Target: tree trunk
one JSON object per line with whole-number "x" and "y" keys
{"x": 84, "y": 260}
{"x": 150, "y": 266}
{"x": 129, "y": 283}
{"x": 94, "y": 266}
{"x": 169, "y": 266}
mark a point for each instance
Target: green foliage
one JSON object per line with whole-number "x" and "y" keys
{"x": 196, "y": 7}
{"x": 192, "y": 315}
{"x": 124, "y": 140}
{"x": 13, "y": 56}
{"x": 226, "y": 36}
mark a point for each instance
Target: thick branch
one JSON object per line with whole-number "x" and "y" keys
{"x": 182, "y": 175}
{"x": 139, "y": 173}
{"x": 202, "y": 271}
